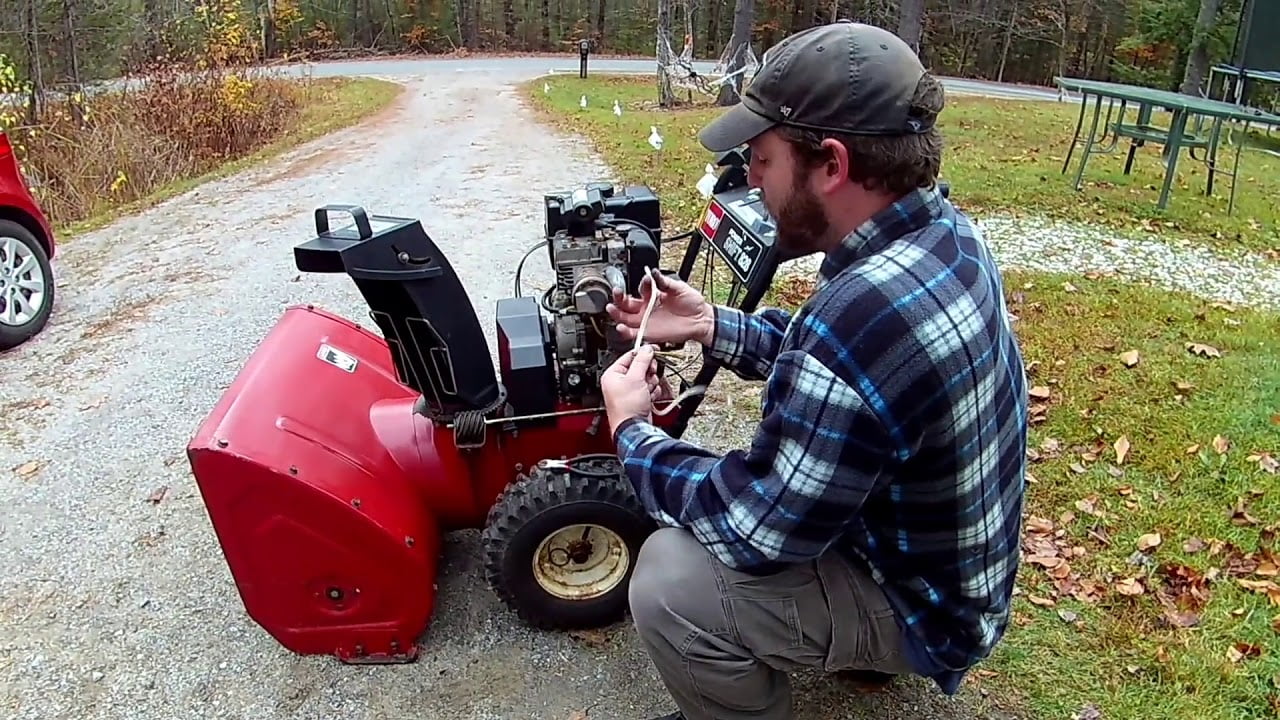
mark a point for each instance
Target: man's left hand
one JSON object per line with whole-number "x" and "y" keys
{"x": 628, "y": 386}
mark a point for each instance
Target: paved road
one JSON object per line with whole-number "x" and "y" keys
{"x": 525, "y": 66}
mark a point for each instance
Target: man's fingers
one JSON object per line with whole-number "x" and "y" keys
{"x": 640, "y": 361}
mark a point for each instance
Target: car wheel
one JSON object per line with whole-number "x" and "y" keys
{"x": 26, "y": 285}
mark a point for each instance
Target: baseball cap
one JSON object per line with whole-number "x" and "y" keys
{"x": 842, "y": 77}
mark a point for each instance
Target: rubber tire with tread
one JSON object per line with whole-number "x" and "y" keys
{"x": 11, "y": 336}
{"x": 534, "y": 507}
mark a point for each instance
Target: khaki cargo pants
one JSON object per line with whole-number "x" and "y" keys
{"x": 723, "y": 641}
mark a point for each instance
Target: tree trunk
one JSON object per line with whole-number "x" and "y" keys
{"x": 744, "y": 12}
{"x": 546, "y": 24}
{"x": 1198, "y": 54}
{"x": 713, "y": 29}
{"x": 600, "y": 39}
{"x": 666, "y": 94}
{"x": 1008, "y": 40}
{"x": 509, "y": 21}
{"x": 911, "y": 23}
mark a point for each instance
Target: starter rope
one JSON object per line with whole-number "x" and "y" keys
{"x": 644, "y": 324}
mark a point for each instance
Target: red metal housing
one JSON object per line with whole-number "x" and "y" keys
{"x": 329, "y": 494}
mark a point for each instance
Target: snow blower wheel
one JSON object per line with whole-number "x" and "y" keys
{"x": 560, "y": 544}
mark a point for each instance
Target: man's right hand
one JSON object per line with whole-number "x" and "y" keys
{"x": 681, "y": 312}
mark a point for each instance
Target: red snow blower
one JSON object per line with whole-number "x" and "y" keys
{"x": 337, "y": 458}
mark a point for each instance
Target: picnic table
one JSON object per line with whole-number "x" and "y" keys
{"x": 1141, "y": 131}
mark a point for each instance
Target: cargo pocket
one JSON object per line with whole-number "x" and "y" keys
{"x": 864, "y": 631}
{"x": 780, "y": 618}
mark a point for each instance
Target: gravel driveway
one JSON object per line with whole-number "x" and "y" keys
{"x": 113, "y": 606}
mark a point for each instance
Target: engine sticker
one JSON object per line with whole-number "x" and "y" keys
{"x": 337, "y": 358}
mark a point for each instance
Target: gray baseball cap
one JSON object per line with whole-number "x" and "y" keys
{"x": 842, "y": 77}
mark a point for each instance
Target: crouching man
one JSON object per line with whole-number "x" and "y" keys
{"x": 872, "y": 523}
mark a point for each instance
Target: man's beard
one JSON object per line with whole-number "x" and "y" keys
{"x": 801, "y": 223}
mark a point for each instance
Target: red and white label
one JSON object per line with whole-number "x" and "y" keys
{"x": 711, "y": 220}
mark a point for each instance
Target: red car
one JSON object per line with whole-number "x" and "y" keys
{"x": 26, "y": 247}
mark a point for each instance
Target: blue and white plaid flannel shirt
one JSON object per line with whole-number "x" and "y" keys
{"x": 893, "y": 428}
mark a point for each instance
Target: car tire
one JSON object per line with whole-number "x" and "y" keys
{"x": 17, "y": 241}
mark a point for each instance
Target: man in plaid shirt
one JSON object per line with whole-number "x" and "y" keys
{"x": 873, "y": 522}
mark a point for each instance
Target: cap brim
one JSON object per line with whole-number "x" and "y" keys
{"x": 735, "y": 127}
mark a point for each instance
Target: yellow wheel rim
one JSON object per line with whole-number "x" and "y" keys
{"x": 580, "y": 562}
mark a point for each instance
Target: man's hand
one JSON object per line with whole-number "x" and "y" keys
{"x": 681, "y": 313}
{"x": 629, "y": 386}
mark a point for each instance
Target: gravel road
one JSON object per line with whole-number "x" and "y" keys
{"x": 115, "y": 607}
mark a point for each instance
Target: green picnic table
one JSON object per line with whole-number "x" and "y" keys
{"x": 1141, "y": 131}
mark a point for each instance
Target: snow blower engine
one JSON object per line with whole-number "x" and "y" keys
{"x": 337, "y": 458}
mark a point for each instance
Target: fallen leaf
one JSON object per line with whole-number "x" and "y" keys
{"x": 1068, "y": 616}
{"x": 158, "y": 494}
{"x": 1182, "y": 386}
{"x": 1275, "y": 624}
{"x": 1266, "y": 462}
{"x": 1162, "y": 655}
{"x": 1221, "y": 444}
{"x": 1125, "y": 490}
{"x": 1240, "y": 513}
{"x": 1130, "y": 358}
{"x": 1039, "y": 525}
{"x": 1077, "y": 467}
{"x": 1267, "y": 568}
{"x": 1240, "y": 651}
{"x": 1193, "y": 545}
{"x": 1041, "y": 601}
{"x": 1069, "y": 287}
{"x": 1148, "y": 541}
{"x": 1039, "y": 392}
{"x": 578, "y": 715}
{"x": 1129, "y": 586}
{"x": 1203, "y": 350}
{"x": 984, "y": 673}
{"x": 27, "y": 469}
{"x": 1122, "y": 449}
{"x": 1193, "y": 449}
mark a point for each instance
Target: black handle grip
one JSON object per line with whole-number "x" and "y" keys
{"x": 357, "y": 213}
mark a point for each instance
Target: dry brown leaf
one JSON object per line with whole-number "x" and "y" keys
{"x": 1240, "y": 513}
{"x": 1088, "y": 712}
{"x": 1077, "y": 467}
{"x": 158, "y": 494}
{"x": 1193, "y": 545}
{"x": 578, "y": 715}
{"x": 1221, "y": 444}
{"x": 1266, "y": 462}
{"x": 1068, "y": 616}
{"x": 1041, "y": 601}
{"x": 1275, "y": 623}
{"x": 1039, "y": 525}
{"x": 1130, "y": 358}
{"x": 1039, "y": 392}
{"x": 1129, "y": 586}
{"x": 1193, "y": 449}
{"x": 1239, "y": 651}
{"x": 1267, "y": 568}
{"x": 1148, "y": 541}
{"x": 1125, "y": 490}
{"x": 28, "y": 469}
{"x": 1203, "y": 350}
{"x": 1183, "y": 386}
{"x": 1122, "y": 449}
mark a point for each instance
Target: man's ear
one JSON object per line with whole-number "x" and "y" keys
{"x": 834, "y": 171}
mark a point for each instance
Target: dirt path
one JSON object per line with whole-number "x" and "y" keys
{"x": 115, "y": 607}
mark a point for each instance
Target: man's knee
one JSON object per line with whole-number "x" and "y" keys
{"x": 673, "y": 588}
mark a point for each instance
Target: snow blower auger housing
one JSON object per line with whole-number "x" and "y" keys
{"x": 337, "y": 458}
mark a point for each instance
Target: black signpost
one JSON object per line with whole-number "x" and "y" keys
{"x": 584, "y": 47}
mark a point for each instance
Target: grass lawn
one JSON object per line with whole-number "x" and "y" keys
{"x": 329, "y": 104}
{"x": 1149, "y": 582}
{"x": 1002, "y": 157}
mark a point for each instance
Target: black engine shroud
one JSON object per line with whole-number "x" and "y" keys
{"x": 550, "y": 351}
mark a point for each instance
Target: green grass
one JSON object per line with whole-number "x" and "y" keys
{"x": 1102, "y": 626}
{"x": 330, "y": 104}
{"x": 1002, "y": 157}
